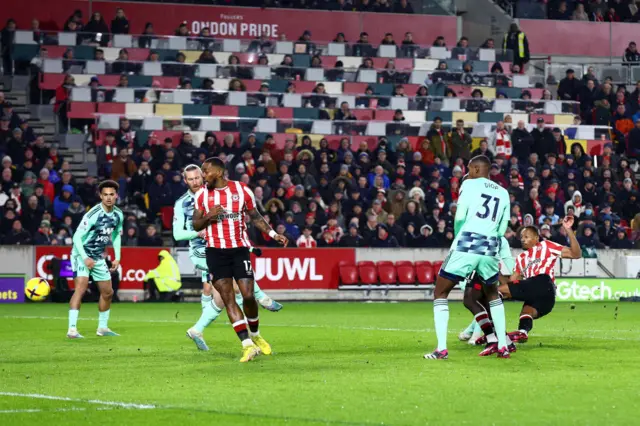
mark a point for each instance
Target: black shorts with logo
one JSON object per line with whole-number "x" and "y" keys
{"x": 538, "y": 292}
{"x": 229, "y": 263}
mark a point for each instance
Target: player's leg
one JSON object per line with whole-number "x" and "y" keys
{"x": 211, "y": 308}
{"x": 540, "y": 300}
{"x": 264, "y": 300}
{"x": 243, "y": 273}
{"x": 488, "y": 272}
{"x": 81, "y": 283}
{"x": 454, "y": 269}
{"x": 239, "y": 297}
{"x": 102, "y": 277}
{"x": 220, "y": 263}
{"x": 466, "y": 334}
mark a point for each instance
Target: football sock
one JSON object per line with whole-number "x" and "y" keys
{"x": 103, "y": 319}
{"x": 470, "y": 328}
{"x": 73, "y": 318}
{"x": 485, "y": 323}
{"x": 205, "y": 300}
{"x": 441, "y": 319}
{"x": 240, "y": 328}
{"x": 257, "y": 292}
{"x": 209, "y": 314}
{"x": 497, "y": 313}
{"x": 526, "y": 323}
{"x": 240, "y": 300}
{"x": 253, "y": 326}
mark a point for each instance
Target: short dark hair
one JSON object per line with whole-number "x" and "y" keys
{"x": 531, "y": 228}
{"x": 108, "y": 184}
{"x": 481, "y": 159}
{"x": 216, "y": 162}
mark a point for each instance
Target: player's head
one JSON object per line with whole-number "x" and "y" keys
{"x": 529, "y": 237}
{"x": 479, "y": 166}
{"x": 212, "y": 170}
{"x": 192, "y": 176}
{"x": 108, "y": 190}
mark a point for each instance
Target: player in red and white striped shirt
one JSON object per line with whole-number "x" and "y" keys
{"x": 534, "y": 280}
{"x": 220, "y": 209}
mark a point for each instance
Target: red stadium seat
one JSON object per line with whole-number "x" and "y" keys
{"x": 436, "y": 266}
{"x": 82, "y": 110}
{"x": 406, "y": 272}
{"x": 387, "y": 273}
{"x": 111, "y": 108}
{"x": 348, "y": 274}
{"x": 424, "y": 274}
{"x": 385, "y": 263}
{"x": 404, "y": 263}
{"x": 166, "y": 213}
{"x": 367, "y": 273}
{"x": 366, "y": 263}
{"x": 423, "y": 263}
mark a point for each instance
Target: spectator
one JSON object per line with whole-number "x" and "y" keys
{"x": 403, "y": 6}
{"x": 97, "y": 30}
{"x": 159, "y": 195}
{"x": 123, "y": 169}
{"x": 43, "y": 236}
{"x": 460, "y": 141}
{"x": 18, "y": 235}
{"x": 569, "y": 87}
{"x": 150, "y": 238}
{"x": 306, "y": 240}
{"x": 7, "y": 37}
{"x": 383, "y": 239}
{"x": 500, "y": 141}
{"x": 579, "y": 13}
{"x": 620, "y": 241}
{"x": 516, "y": 41}
{"x": 543, "y": 139}
{"x": 61, "y": 101}
{"x": 63, "y": 201}
{"x": 120, "y": 24}
{"x": 561, "y": 13}
{"x": 576, "y": 204}
{"x": 631, "y": 54}
{"x": 353, "y": 238}
{"x": 439, "y": 145}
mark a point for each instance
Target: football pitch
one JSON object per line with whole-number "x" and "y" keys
{"x": 334, "y": 364}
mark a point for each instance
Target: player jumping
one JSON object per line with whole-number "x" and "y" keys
{"x": 481, "y": 219}
{"x": 183, "y": 231}
{"x": 220, "y": 209}
{"x": 99, "y": 226}
{"x": 534, "y": 280}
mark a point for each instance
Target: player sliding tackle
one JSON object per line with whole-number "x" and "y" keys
{"x": 481, "y": 219}
{"x": 183, "y": 231}
{"x": 98, "y": 227}
{"x": 534, "y": 282}
{"x": 220, "y": 209}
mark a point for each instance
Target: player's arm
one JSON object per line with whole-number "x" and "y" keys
{"x": 180, "y": 231}
{"x": 573, "y": 251}
{"x": 201, "y": 220}
{"x": 504, "y": 218}
{"x": 461, "y": 212}
{"x": 258, "y": 221}
{"x": 78, "y": 245}
{"x": 256, "y": 218}
{"x": 116, "y": 236}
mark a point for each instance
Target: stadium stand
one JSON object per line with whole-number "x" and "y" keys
{"x": 332, "y": 136}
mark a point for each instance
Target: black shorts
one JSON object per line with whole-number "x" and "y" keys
{"x": 229, "y": 263}
{"x": 539, "y": 292}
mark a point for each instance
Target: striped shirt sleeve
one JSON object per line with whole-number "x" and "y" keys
{"x": 554, "y": 248}
{"x": 250, "y": 199}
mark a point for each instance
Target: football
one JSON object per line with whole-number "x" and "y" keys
{"x": 37, "y": 289}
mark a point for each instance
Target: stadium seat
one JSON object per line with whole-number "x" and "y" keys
{"x": 406, "y": 272}
{"x": 367, "y": 272}
{"x": 387, "y": 272}
{"x": 436, "y": 266}
{"x": 424, "y": 274}
{"x": 348, "y": 273}
{"x": 166, "y": 213}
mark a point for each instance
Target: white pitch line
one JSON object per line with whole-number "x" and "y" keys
{"x": 604, "y": 334}
{"x": 86, "y": 401}
{"x": 53, "y": 410}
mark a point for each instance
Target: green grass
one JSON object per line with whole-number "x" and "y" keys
{"x": 334, "y": 363}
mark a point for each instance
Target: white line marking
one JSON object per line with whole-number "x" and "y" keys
{"x": 53, "y": 410}
{"x": 603, "y": 334}
{"x": 86, "y": 401}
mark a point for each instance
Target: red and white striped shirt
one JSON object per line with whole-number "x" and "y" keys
{"x": 230, "y": 230}
{"x": 539, "y": 259}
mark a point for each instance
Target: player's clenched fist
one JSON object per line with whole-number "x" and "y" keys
{"x": 281, "y": 239}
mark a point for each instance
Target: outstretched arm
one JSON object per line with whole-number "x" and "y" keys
{"x": 180, "y": 232}
{"x": 573, "y": 251}
{"x": 258, "y": 221}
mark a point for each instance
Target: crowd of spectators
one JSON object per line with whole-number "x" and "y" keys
{"x": 384, "y": 194}
{"x": 575, "y": 10}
